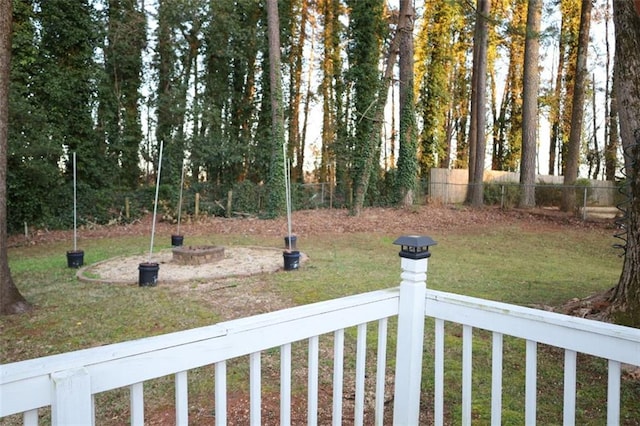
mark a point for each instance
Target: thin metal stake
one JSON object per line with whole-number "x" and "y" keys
{"x": 180, "y": 197}
{"x": 75, "y": 232}
{"x": 155, "y": 205}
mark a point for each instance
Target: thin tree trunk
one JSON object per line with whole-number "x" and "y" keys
{"x": 555, "y": 115}
{"x": 11, "y": 301}
{"x": 445, "y": 162}
{"x": 476, "y": 169}
{"x": 611, "y": 152}
{"x": 596, "y": 146}
{"x": 530, "y": 105}
{"x": 390, "y": 162}
{"x": 568, "y": 202}
{"x": 305, "y": 116}
{"x": 295, "y": 92}
{"x": 328, "y": 92}
{"x": 611, "y": 112}
{"x": 473, "y": 114}
{"x": 500, "y": 129}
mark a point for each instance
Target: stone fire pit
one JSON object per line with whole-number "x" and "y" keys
{"x": 198, "y": 255}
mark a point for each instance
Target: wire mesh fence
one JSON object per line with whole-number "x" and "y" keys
{"x": 604, "y": 199}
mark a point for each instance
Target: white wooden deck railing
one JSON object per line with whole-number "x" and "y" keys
{"x": 69, "y": 382}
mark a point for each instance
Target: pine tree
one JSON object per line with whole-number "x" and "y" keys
{"x": 434, "y": 71}
{"x": 530, "y": 104}
{"x": 120, "y": 92}
{"x": 276, "y": 182}
{"x": 407, "y": 159}
{"x": 68, "y": 43}
{"x": 364, "y": 54}
{"x": 477, "y": 133}
{"x": 577, "y": 110}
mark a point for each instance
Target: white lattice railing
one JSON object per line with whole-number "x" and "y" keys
{"x": 69, "y": 382}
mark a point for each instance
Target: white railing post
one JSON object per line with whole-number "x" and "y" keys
{"x": 72, "y": 402}
{"x": 411, "y": 315}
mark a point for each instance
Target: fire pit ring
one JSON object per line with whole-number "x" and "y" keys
{"x": 197, "y": 255}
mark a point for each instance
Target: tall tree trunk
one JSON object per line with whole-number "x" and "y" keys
{"x": 333, "y": 161}
{"x": 277, "y": 194}
{"x": 568, "y": 202}
{"x": 300, "y": 156}
{"x": 436, "y": 56}
{"x": 478, "y": 108}
{"x": 165, "y": 113}
{"x": 611, "y": 111}
{"x": 362, "y": 183}
{"x": 625, "y": 297}
{"x": 507, "y": 151}
{"x": 407, "y": 161}
{"x": 572, "y": 11}
{"x": 530, "y": 105}
{"x": 327, "y": 159}
{"x": 554, "y": 113}
{"x": 11, "y": 301}
{"x": 563, "y": 92}
{"x": 365, "y": 22}
{"x": 123, "y": 57}
{"x": 295, "y": 90}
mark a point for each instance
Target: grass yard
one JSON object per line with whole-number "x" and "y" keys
{"x": 514, "y": 257}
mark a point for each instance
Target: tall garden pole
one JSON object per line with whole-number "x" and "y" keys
{"x": 287, "y": 187}
{"x": 75, "y": 257}
{"x": 180, "y": 196}
{"x": 75, "y": 209}
{"x": 155, "y": 204}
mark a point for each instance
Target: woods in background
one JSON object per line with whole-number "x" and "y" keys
{"x": 111, "y": 79}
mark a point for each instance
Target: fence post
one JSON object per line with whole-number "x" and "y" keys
{"x": 414, "y": 252}
{"x": 72, "y": 401}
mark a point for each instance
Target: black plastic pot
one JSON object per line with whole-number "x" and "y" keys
{"x": 177, "y": 240}
{"x": 291, "y": 260}
{"x": 75, "y": 258}
{"x": 148, "y": 276}
{"x": 290, "y": 240}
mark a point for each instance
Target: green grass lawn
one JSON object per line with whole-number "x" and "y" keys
{"x": 504, "y": 262}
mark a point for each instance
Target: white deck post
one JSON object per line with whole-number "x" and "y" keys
{"x": 411, "y": 315}
{"x": 72, "y": 402}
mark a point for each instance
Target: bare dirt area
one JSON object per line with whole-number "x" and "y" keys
{"x": 415, "y": 220}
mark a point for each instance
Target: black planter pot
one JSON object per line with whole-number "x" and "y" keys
{"x": 290, "y": 243}
{"x": 177, "y": 240}
{"x": 148, "y": 274}
{"x": 291, "y": 260}
{"x": 75, "y": 258}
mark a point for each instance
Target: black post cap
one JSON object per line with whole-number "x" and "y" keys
{"x": 414, "y": 246}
